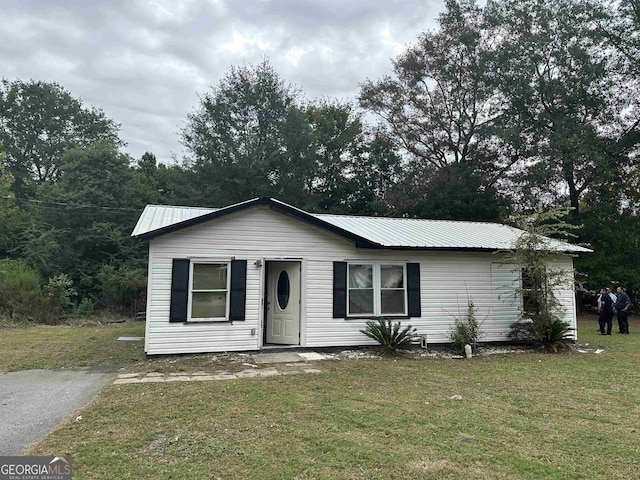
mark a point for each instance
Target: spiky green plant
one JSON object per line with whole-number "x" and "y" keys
{"x": 389, "y": 335}
{"x": 550, "y": 336}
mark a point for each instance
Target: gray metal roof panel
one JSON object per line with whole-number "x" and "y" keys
{"x": 384, "y": 231}
{"x": 155, "y": 217}
{"x": 422, "y": 233}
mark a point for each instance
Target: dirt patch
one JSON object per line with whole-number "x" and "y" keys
{"x": 431, "y": 465}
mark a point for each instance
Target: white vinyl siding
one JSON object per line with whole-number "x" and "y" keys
{"x": 447, "y": 279}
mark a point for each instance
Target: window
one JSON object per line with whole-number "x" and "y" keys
{"x": 284, "y": 289}
{"x": 376, "y": 289}
{"x": 209, "y": 299}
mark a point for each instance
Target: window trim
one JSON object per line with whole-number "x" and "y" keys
{"x": 377, "y": 289}
{"x": 192, "y": 265}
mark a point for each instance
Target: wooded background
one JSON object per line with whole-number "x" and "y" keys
{"x": 507, "y": 109}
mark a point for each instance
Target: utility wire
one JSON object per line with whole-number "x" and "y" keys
{"x": 75, "y": 205}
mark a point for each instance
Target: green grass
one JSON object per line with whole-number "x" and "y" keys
{"x": 39, "y": 346}
{"x": 526, "y": 416}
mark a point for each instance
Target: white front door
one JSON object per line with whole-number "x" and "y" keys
{"x": 283, "y": 303}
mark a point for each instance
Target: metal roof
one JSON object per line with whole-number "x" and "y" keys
{"x": 155, "y": 217}
{"x": 380, "y": 232}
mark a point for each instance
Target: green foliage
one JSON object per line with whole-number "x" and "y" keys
{"x": 549, "y": 334}
{"x": 61, "y": 292}
{"x": 467, "y": 330}
{"x": 390, "y": 336}
{"x": 123, "y": 290}
{"x": 459, "y": 191}
{"x": 563, "y": 108}
{"x": 39, "y": 122}
{"x": 85, "y": 308}
{"x": 21, "y": 298}
{"x": 239, "y": 135}
{"x": 541, "y": 322}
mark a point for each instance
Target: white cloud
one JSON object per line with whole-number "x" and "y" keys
{"x": 241, "y": 44}
{"x": 145, "y": 62}
{"x": 294, "y": 55}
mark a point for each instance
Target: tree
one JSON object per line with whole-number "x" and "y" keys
{"x": 252, "y": 137}
{"x": 438, "y": 106}
{"x": 567, "y": 109}
{"x": 621, "y": 25}
{"x": 459, "y": 191}
{"x": 8, "y": 209}
{"x": 440, "y": 109}
{"x": 39, "y": 121}
{"x": 541, "y": 322}
{"x": 237, "y": 136}
{"x": 85, "y": 219}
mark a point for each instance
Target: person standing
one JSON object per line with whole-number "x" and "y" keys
{"x": 622, "y": 308}
{"x": 606, "y": 312}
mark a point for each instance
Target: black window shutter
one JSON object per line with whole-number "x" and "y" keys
{"x": 179, "y": 290}
{"x": 413, "y": 289}
{"x": 238, "y": 297}
{"x": 339, "y": 289}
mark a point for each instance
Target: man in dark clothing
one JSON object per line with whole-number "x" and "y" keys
{"x": 606, "y": 312}
{"x": 622, "y": 307}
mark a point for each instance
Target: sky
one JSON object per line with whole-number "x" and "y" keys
{"x": 144, "y": 62}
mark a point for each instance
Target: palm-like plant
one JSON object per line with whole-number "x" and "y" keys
{"x": 390, "y": 336}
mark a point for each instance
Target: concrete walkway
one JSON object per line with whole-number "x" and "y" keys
{"x": 263, "y": 365}
{"x": 32, "y": 402}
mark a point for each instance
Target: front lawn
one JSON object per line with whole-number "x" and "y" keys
{"x": 521, "y": 416}
{"x": 63, "y": 346}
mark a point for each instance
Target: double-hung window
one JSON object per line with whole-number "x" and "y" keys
{"x": 209, "y": 292}
{"x": 376, "y": 289}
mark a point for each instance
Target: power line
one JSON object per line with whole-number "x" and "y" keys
{"x": 77, "y": 205}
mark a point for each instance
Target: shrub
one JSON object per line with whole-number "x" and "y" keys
{"x": 466, "y": 330}
{"x": 550, "y": 335}
{"x": 85, "y": 308}
{"x": 123, "y": 289}
{"x": 390, "y": 336}
{"x": 60, "y": 290}
{"x": 21, "y": 298}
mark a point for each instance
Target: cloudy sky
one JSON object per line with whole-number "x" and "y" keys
{"x": 144, "y": 62}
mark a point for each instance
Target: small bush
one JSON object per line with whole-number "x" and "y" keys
{"x": 21, "y": 298}
{"x": 85, "y": 308}
{"x": 123, "y": 289}
{"x": 550, "y": 336}
{"x": 390, "y": 336}
{"x": 466, "y": 330}
{"x": 61, "y": 292}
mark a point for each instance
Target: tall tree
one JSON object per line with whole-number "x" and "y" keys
{"x": 39, "y": 121}
{"x": 85, "y": 219}
{"x": 236, "y": 136}
{"x": 252, "y": 136}
{"x": 566, "y": 106}
{"x": 438, "y": 106}
{"x": 8, "y": 209}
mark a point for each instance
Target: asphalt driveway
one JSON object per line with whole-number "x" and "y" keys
{"x": 32, "y": 402}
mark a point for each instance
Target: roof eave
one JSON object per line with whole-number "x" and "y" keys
{"x": 362, "y": 242}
